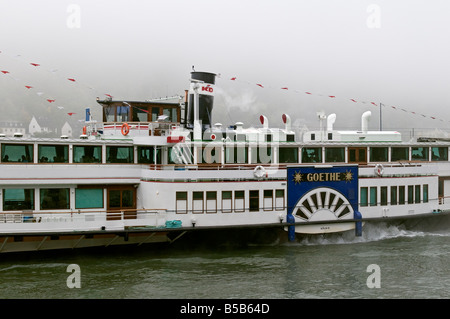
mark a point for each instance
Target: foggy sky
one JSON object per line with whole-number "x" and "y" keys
{"x": 137, "y": 50}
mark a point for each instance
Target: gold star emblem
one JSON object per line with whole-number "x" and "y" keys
{"x": 298, "y": 177}
{"x": 348, "y": 176}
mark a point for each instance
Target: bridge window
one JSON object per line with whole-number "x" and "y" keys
{"x": 288, "y": 155}
{"x": 22, "y": 153}
{"x": 419, "y": 153}
{"x": 334, "y": 154}
{"x": 378, "y": 154}
{"x": 262, "y": 155}
{"x": 53, "y": 153}
{"x": 399, "y": 154}
{"x": 383, "y": 195}
{"x": 268, "y": 199}
{"x": 439, "y": 153}
{"x": 237, "y": 154}
{"x": 18, "y": 199}
{"x": 312, "y": 155}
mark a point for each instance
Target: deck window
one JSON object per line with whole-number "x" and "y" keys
{"x": 119, "y": 154}
{"x": 18, "y": 199}
{"x": 181, "y": 203}
{"x": 89, "y": 198}
{"x": 425, "y": 193}
{"x": 334, "y": 154}
{"x": 22, "y": 153}
{"x": 401, "y": 195}
{"x": 254, "y": 201}
{"x": 419, "y": 153}
{"x": 312, "y": 155}
{"x": 211, "y": 202}
{"x": 239, "y": 201}
{"x": 393, "y": 195}
{"x": 279, "y": 199}
{"x": 53, "y": 153}
{"x": 87, "y": 154}
{"x": 268, "y": 199}
{"x": 373, "y": 196}
{"x": 410, "y": 194}
{"x": 417, "y": 194}
{"x": 54, "y": 198}
{"x": 399, "y": 154}
{"x": 439, "y": 153}
{"x": 364, "y": 197}
{"x": 378, "y": 154}
{"x": 288, "y": 155}
{"x": 383, "y": 195}
{"x": 227, "y": 201}
{"x": 146, "y": 155}
{"x": 197, "y": 202}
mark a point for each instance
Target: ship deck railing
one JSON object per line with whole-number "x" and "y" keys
{"x": 150, "y": 216}
{"x": 233, "y": 166}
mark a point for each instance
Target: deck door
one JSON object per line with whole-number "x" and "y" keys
{"x": 357, "y": 155}
{"x": 121, "y": 199}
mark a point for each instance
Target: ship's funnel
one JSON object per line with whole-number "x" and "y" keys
{"x": 203, "y": 83}
{"x": 365, "y": 121}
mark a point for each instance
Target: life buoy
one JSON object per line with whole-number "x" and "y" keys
{"x": 259, "y": 172}
{"x": 125, "y": 129}
{"x": 379, "y": 169}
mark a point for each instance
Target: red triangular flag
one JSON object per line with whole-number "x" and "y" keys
{"x": 5, "y": 72}
{"x": 71, "y": 114}
{"x": 34, "y": 64}
{"x": 308, "y": 93}
{"x": 353, "y": 100}
{"x": 260, "y": 85}
{"x": 28, "y": 87}
{"x": 232, "y": 79}
{"x": 73, "y": 80}
{"x": 332, "y": 96}
{"x": 50, "y": 101}
{"x": 284, "y": 88}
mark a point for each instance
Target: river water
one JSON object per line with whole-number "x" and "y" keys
{"x": 386, "y": 262}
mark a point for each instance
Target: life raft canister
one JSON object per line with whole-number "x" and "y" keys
{"x": 125, "y": 129}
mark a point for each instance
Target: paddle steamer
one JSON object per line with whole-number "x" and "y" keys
{"x": 153, "y": 170}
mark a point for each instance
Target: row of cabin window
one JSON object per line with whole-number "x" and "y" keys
{"x": 21, "y": 199}
{"x": 393, "y": 195}
{"x": 208, "y": 202}
{"x": 151, "y": 155}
